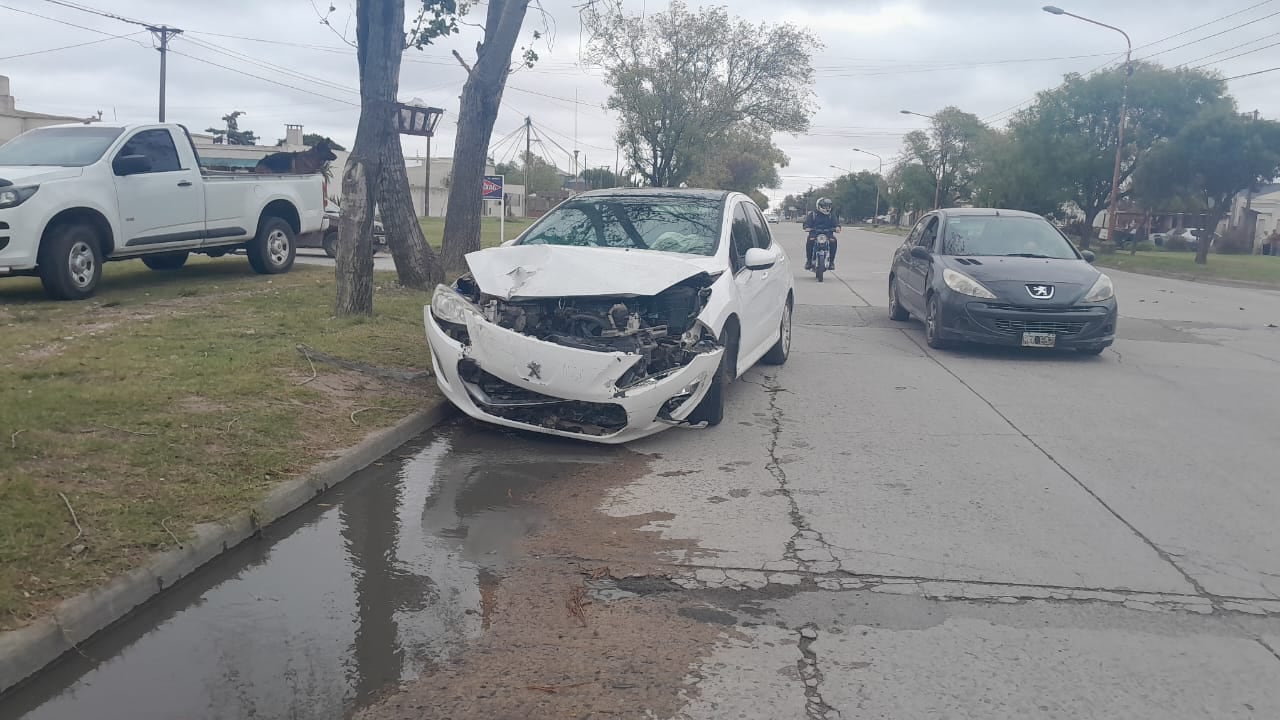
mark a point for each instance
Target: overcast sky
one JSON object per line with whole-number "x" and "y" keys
{"x": 880, "y": 56}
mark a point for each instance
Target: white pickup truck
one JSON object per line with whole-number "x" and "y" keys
{"x": 75, "y": 196}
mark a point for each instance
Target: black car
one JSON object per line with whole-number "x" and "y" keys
{"x": 1001, "y": 277}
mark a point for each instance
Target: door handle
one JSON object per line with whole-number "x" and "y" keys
{"x": 185, "y": 183}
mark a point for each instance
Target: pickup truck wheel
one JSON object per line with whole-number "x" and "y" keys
{"x": 330, "y": 243}
{"x": 273, "y": 250}
{"x": 70, "y": 262}
{"x": 166, "y": 261}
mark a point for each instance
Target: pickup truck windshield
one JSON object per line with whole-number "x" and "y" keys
{"x": 58, "y": 147}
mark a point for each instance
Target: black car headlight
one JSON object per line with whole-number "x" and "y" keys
{"x": 965, "y": 285}
{"x": 15, "y": 196}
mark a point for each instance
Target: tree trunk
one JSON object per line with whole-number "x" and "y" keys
{"x": 379, "y": 45}
{"x": 1089, "y": 230}
{"x": 417, "y": 265}
{"x": 478, "y": 110}
{"x": 1202, "y": 247}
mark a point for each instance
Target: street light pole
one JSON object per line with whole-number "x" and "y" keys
{"x": 875, "y": 219}
{"x": 942, "y": 157}
{"x": 1113, "y": 208}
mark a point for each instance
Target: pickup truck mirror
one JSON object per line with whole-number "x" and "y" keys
{"x": 131, "y": 165}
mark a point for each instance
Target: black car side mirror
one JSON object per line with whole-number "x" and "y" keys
{"x": 1088, "y": 256}
{"x": 131, "y": 165}
{"x": 920, "y": 253}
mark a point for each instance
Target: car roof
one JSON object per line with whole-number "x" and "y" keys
{"x": 986, "y": 212}
{"x": 655, "y": 192}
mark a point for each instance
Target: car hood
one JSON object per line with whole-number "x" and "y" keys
{"x": 1008, "y": 277}
{"x": 35, "y": 174}
{"x": 541, "y": 271}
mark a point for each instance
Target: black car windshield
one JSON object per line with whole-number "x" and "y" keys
{"x": 59, "y": 147}
{"x": 1005, "y": 235}
{"x": 689, "y": 225}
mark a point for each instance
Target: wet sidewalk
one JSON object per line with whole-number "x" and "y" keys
{"x": 335, "y": 605}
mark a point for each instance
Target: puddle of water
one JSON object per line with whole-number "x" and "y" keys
{"x": 335, "y": 605}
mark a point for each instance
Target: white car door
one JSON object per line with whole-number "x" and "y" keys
{"x": 754, "y": 298}
{"x": 161, "y": 203}
{"x": 776, "y": 277}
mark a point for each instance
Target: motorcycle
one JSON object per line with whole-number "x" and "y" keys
{"x": 821, "y": 252}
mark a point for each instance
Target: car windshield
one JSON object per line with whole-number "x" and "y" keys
{"x": 672, "y": 224}
{"x": 59, "y": 147}
{"x": 1004, "y": 235}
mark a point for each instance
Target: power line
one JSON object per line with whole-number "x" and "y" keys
{"x": 272, "y": 66}
{"x": 1236, "y": 47}
{"x": 1209, "y": 37}
{"x": 269, "y": 80}
{"x": 1259, "y": 72}
{"x": 68, "y": 47}
{"x": 1233, "y": 57}
{"x": 99, "y": 13}
{"x": 60, "y": 21}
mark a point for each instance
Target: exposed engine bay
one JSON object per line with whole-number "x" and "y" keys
{"x": 663, "y": 329}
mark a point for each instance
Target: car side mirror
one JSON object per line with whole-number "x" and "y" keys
{"x": 1088, "y": 256}
{"x": 920, "y": 253}
{"x": 131, "y": 165}
{"x": 759, "y": 259}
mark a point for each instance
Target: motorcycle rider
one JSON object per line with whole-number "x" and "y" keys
{"x": 819, "y": 221}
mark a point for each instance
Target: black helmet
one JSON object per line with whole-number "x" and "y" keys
{"x": 824, "y": 206}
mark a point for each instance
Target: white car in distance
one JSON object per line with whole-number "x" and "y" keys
{"x": 618, "y": 314}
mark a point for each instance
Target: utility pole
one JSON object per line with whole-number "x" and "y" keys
{"x": 163, "y": 32}
{"x": 426, "y": 183}
{"x": 528, "y": 155}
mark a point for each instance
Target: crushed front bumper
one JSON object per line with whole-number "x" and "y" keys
{"x": 993, "y": 322}
{"x": 510, "y": 379}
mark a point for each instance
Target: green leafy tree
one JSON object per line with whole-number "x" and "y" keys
{"x": 230, "y": 133}
{"x": 951, "y": 152}
{"x": 1212, "y": 158}
{"x": 598, "y": 178}
{"x": 1070, "y": 132}
{"x": 682, "y": 80}
{"x": 542, "y": 176}
{"x": 1010, "y": 177}
{"x": 910, "y": 188}
{"x": 744, "y": 160}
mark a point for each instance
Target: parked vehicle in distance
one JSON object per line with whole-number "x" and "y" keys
{"x": 328, "y": 238}
{"x": 619, "y": 313}
{"x": 75, "y": 196}
{"x": 1001, "y": 277}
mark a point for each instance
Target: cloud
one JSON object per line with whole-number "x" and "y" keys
{"x": 879, "y": 56}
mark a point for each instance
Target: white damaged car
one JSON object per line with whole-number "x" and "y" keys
{"x": 618, "y": 314}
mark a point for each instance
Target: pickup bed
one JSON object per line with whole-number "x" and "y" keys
{"x": 75, "y": 196}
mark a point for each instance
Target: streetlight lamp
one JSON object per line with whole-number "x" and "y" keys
{"x": 875, "y": 219}
{"x": 942, "y": 157}
{"x": 1113, "y": 208}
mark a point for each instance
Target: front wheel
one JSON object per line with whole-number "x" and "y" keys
{"x": 933, "y": 324}
{"x": 820, "y": 268}
{"x": 70, "y": 261}
{"x": 273, "y": 250}
{"x": 711, "y": 409}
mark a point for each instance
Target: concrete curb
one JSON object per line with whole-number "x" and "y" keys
{"x": 26, "y": 651}
{"x": 1201, "y": 279}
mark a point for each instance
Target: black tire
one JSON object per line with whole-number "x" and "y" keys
{"x": 932, "y": 324}
{"x": 711, "y": 409}
{"x": 781, "y": 350}
{"x": 330, "y": 244}
{"x": 166, "y": 261}
{"x": 896, "y": 311}
{"x": 818, "y": 269}
{"x": 272, "y": 251}
{"x": 1093, "y": 350}
{"x": 70, "y": 261}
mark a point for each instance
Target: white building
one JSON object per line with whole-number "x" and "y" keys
{"x": 14, "y": 122}
{"x": 441, "y": 172}
{"x": 1259, "y": 211}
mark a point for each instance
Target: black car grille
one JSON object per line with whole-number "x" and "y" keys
{"x": 1039, "y": 326}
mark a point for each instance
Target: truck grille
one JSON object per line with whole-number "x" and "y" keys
{"x": 1039, "y": 326}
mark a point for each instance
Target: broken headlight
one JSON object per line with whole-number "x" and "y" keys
{"x": 448, "y": 306}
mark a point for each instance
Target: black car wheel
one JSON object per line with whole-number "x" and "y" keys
{"x": 781, "y": 350}
{"x": 711, "y": 409}
{"x": 70, "y": 261}
{"x": 330, "y": 244}
{"x": 896, "y": 311}
{"x": 932, "y": 324}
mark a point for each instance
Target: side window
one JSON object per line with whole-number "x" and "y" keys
{"x": 156, "y": 146}
{"x": 763, "y": 239}
{"x": 914, "y": 236}
{"x": 743, "y": 239}
{"x": 929, "y": 234}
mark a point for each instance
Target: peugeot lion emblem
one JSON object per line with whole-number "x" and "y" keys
{"x": 1040, "y": 292}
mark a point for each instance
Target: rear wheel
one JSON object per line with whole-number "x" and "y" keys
{"x": 781, "y": 350}
{"x": 933, "y": 323}
{"x": 330, "y": 243}
{"x": 273, "y": 250}
{"x": 896, "y": 311}
{"x": 70, "y": 261}
{"x": 166, "y": 261}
